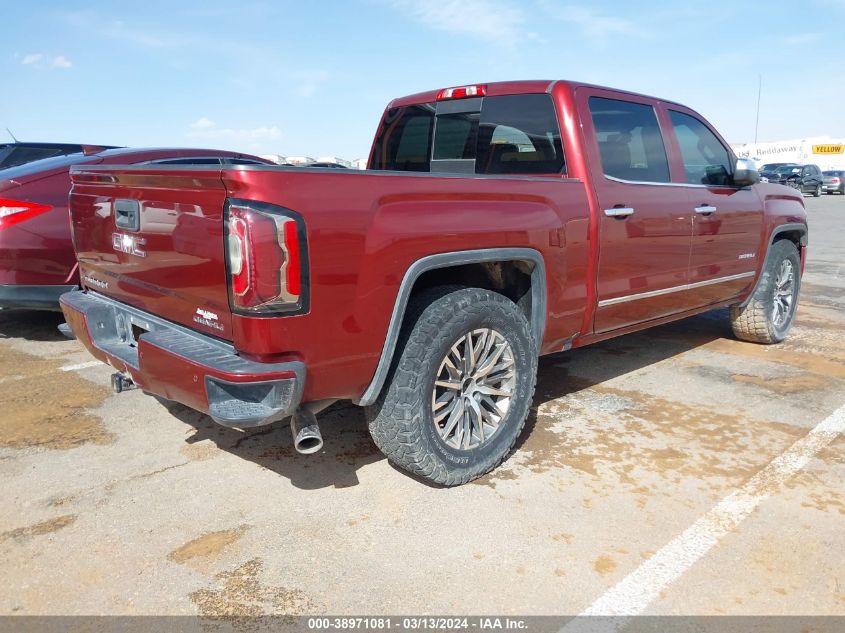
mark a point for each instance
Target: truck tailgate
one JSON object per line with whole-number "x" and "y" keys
{"x": 154, "y": 239}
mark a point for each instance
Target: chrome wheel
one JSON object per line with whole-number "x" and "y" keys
{"x": 473, "y": 389}
{"x": 784, "y": 293}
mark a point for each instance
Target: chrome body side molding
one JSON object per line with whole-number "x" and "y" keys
{"x": 681, "y": 288}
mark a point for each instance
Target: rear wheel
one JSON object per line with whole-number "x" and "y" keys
{"x": 460, "y": 389}
{"x": 769, "y": 314}
{"x": 818, "y": 192}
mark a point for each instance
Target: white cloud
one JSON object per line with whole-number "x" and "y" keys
{"x": 593, "y": 24}
{"x": 39, "y": 60}
{"x": 251, "y": 139}
{"x": 203, "y": 123}
{"x": 309, "y": 81}
{"x": 497, "y": 20}
{"x": 802, "y": 38}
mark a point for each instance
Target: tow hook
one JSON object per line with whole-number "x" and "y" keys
{"x": 121, "y": 382}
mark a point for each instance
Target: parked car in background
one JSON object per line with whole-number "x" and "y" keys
{"x": 37, "y": 262}
{"x": 20, "y": 153}
{"x": 495, "y": 223}
{"x": 327, "y": 165}
{"x": 804, "y": 178}
{"x": 834, "y": 181}
{"x": 768, "y": 169}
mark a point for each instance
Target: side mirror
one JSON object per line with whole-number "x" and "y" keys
{"x": 746, "y": 173}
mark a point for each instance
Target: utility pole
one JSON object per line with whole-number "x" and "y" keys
{"x": 757, "y": 120}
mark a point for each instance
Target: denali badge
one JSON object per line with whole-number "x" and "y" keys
{"x": 91, "y": 281}
{"x": 207, "y": 318}
{"x": 206, "y": 314}
{"x": 129, "y": 244}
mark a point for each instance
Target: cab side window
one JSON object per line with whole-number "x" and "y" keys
{"x": 630, "y": 142}
{"x": 519, "y": 134}
{"x": 706, "y": 160}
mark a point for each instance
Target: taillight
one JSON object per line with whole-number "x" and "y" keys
{"x": 834, "y": 181}
{"x": 462, "y": 92}
{"x": 15, "y": 211}
{"x": 266, "y": 258}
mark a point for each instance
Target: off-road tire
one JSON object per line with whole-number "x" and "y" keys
{"x": 754, "y": 322}
{"x": 401, "y": 420}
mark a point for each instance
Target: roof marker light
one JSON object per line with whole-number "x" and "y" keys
{"x": 462, "y": 92}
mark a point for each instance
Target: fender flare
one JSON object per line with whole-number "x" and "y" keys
{"x": 783, "y": 228}
{"x": 445, "y": 260}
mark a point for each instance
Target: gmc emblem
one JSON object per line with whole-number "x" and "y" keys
{"x": 128, "y": 244}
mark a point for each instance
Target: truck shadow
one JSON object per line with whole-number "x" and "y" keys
{"x": 348, "y": 447}
{"x": 32, "y": 325}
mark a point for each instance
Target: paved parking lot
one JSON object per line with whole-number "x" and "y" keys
{"x": 647, "y": 483}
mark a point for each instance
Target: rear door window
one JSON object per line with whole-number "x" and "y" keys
{"x": 706, "y": 160}
{"x": 630, "y": 142}
{"x": 519, "y": 134}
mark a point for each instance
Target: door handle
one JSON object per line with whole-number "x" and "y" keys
{"x": 706, "y": 209}
{"x": 618, "y": 212}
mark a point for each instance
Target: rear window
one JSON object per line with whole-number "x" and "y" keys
{"x": 834, "y": 173}
{"x": 403, "y": 142}
{"x": 44, "y": 165}
{"x": 514, "y": 134}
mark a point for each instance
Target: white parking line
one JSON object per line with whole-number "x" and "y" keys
{"x": 85, "y": 365}
{"x": 632, "y": 595}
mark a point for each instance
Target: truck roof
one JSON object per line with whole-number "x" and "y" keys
{"x": 498, "y": 88}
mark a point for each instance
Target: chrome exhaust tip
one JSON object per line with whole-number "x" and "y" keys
{"x": 307, "y": 438}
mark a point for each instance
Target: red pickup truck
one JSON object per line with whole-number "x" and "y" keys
{"x": 495, "y": 223}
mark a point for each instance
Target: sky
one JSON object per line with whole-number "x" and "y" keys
{"x": 312, "y": 78}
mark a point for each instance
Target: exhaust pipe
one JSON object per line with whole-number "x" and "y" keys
{"x": 307, "y": 438}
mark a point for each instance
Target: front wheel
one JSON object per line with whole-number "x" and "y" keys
{"x": 460, "y": 389}
{"x": 768, "y": 315}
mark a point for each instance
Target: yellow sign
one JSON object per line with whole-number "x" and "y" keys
{"x": 828, "y": 149}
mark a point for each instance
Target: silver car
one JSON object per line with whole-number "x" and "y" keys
{"x": 834, "y": 181}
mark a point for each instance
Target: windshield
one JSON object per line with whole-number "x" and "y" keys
{"x": 44, "y": 164}
{"x": 788, "y": 169}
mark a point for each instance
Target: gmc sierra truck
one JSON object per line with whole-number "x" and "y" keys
{"x": 495, "y": 223}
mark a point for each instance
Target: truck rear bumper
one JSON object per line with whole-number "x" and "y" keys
{"x": 31, "y": 297}
{"x": 179, "y": 364}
